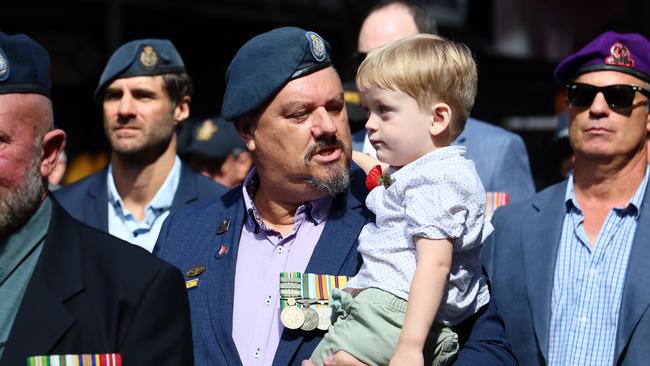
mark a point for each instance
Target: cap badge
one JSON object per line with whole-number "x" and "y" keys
{"x": 352, "y": 97}
{"x": 148, "y": 57}
{"x": 4, "y": 66}
{"x": 207, "y": 129}
{"x": 317, "y": 46}
{"x": 620, "y": 56}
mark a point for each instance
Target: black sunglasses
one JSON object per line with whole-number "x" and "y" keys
{"x": 618, "y": 96}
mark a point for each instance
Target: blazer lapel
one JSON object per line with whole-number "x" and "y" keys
{"x": 187, "y": 190}
{"x": 96, "y": 212}
{"x": 42, "y": 318}
{"x": 540, "y": 246}
{"x": 222, "y": 279}
{"x": 337, "y": 240}
{"x": 636, "y": 293}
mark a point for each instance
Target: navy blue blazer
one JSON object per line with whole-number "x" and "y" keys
{"x": 191, "y": 237}
{"x": 87, "y": 199}
{"x": 94, "y": 293}
{"x": 520, "y": 258}
{"x": 500, "y": 158}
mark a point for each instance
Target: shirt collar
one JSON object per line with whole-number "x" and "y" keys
{"x": 314, "y": 211}
{"x": 633, "y": 206}
{"x": 17, "y": 246}
{"x": 163, "y": 199}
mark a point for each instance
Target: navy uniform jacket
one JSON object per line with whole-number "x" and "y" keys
{"x": 87, "y": 199}
{"x": 500, "y": 158}
{"x": 192, "y": 237}
{"x": 93, "y": 293}
{"x": 520, "y": 258}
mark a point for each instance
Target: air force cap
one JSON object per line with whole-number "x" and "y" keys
{"x": 215, "y": 138}
{"x": 266, "y": 63}
{"x": 24, "y": 66}
{"x": 142, "y": 57}
{"x": 628, "y": 53}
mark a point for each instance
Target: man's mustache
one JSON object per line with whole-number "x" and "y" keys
{"x": 324, "y": 143}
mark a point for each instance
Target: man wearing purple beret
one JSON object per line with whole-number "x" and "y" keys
{"x": 569, "y": 266}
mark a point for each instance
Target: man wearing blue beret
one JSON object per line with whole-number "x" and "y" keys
{"x": 299, "y": 211}
{"x": 569, "y": 266}
{"x": 217, "y": 152}
{"x": 68, "y": 291}
{"x": 145, "y": 93}
{"x": 500, "y": 156}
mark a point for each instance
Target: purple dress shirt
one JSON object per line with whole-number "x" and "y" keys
{"x": 263, "y": 254}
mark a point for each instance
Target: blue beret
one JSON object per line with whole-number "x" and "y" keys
{"x": 266, "y": 63}
{"x": 627, "y": 53}
{"x": 142, "y": 57}
{"x": 215, "y": 138}
{"x": 24, "y": 66}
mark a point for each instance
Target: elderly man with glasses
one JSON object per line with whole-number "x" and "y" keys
{"x": 569, "y": 266}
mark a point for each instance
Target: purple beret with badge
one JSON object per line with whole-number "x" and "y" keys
{"x": 628, "y": 53}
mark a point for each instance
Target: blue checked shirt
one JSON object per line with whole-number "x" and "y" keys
{"x": 588, "y": 283}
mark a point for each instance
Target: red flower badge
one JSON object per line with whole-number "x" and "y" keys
{"x": 376, "y": 177}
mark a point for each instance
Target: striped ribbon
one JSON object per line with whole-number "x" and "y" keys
{"x": 494, "y": 201}
{"x": 314, "y": 286}
{"x": 103, "y": 359}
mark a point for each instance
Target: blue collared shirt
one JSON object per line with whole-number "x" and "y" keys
{"x": 588, "y": 283}
{"x": 124, "y": 225}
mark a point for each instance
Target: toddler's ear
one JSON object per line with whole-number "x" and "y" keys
{"x": 441, "y": 118}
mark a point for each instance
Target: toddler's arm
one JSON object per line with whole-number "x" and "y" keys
{"x": 427, "y": 288}
{"x": 367, "y": 162}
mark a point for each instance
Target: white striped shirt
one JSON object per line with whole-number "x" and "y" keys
{"x": 588, "y": 283}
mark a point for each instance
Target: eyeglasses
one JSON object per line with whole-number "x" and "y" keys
{"x": 618, "y": 96}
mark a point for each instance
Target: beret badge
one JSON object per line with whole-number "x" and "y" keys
{"x": 620, "y": 56}
{"x": 207, "y": 129}
{"x": 4, "y": 66}
{"x": 148, "y": 57}
{"x": 317, "y": 46}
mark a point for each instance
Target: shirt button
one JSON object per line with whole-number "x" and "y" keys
{"x": 268, "y": 300}
{"x": 257, "y": 353}
{"x": 280, "y": 248}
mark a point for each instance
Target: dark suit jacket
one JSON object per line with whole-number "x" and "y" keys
{"x": 93, "y": 293}
{"x": 87, "y": 199}
{"x": 190, "y": 237}
{"x": 520, "y": 257}
{"x": 500, "y": 158}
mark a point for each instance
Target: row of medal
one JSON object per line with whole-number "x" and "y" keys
{"x": 302, "y": 313}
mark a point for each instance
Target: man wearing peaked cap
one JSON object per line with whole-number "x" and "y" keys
{"x": 300, "y": 209}
{"x": 66, "y": 288}
{"x": 145, "y": 93}
{"x": 569, "y": 266}
{"x": 217, "y": 152}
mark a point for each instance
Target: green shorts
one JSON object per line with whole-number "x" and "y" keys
{"x": 368, "y": 327}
